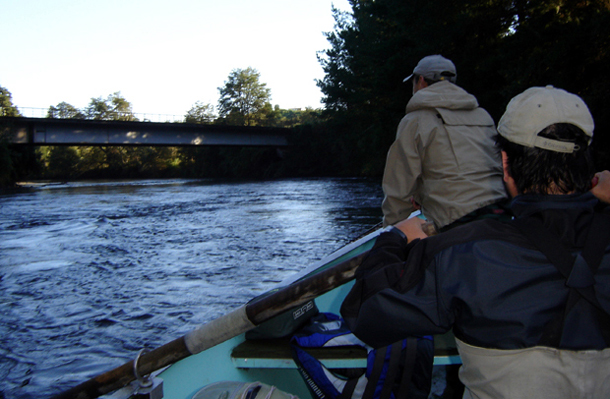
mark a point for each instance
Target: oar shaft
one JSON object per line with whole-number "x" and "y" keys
{"x": 219, "y": 330}
{"x": 267, "y": 307}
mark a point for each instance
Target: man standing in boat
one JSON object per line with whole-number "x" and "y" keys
{"x": 528, "y": 300}
{"x": 443, "y": 157}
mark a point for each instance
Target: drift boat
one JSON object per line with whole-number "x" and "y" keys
{"x": 219, "y": 351}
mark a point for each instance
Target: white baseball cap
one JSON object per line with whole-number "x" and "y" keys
{"x": 434, "y": 67}
{"x": 535, "y": 109}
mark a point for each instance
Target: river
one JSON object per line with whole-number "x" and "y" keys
{"x": 92, "y": 272}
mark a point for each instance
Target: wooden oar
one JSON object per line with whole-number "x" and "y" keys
{"x": 219, "y": 330}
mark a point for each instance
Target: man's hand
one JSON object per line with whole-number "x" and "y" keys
{"x": 601, "y": 186}
{"x": 413, "y": 228}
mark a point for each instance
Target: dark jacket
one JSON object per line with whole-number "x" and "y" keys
{"x": 486, "y": 280}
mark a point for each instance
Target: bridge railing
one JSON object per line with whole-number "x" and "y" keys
{"x": 30, "y": 112}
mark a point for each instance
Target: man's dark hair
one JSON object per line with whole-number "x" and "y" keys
{"x": 447, "y": 75}
{"x": 539, "y": 171}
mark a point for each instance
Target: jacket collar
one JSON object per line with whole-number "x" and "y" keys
{"x": 442, "y": 95}
{"x": 528, "y": 204}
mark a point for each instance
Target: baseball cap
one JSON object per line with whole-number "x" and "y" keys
{"x": 434, "y": 67}
{"x": 536, "y": 108}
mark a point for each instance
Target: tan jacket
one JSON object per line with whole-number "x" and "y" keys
{"x": 444, "y": 157}
{"x": 537, "y": 372}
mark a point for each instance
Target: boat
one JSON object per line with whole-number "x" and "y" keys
{"x": 218, "y": 351}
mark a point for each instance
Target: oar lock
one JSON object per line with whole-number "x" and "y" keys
{"x": 149, "y": 387}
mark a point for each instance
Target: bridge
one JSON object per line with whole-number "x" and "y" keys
{"x": 79, "y": 132}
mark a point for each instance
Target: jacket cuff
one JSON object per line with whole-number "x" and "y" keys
{"x": 399, "y": 232}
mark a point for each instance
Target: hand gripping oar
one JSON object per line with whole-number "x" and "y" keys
{"x": 239, "y": 321}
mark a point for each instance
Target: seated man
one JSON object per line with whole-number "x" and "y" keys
{"x": 528, "y": 300}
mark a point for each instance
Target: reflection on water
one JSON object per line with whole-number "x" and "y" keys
{"x": 90, "y": 273}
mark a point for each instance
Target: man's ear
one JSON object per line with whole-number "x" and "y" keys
{"x": 509, "y": 182}
{"x": 419, "y": 84}
{"x": 505, "y": 166}
{"x": 422, "y": 82}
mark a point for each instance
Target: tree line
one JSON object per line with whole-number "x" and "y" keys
{"x": 244, "y": 101}
{"x": 500, "y": 48}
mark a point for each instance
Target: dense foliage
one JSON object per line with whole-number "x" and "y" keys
{"x": 15, "y": 163}
{"x": 500, "y": 48}
{"x": 6, "y": 103}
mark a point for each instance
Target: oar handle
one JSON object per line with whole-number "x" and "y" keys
{"x": 266, "y": 307}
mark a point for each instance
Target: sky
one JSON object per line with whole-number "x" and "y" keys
{"x": 162, "y": 56}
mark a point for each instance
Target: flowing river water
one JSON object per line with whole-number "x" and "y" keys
{"x": 92, "y": 272}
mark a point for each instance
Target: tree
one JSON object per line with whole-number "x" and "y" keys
{"x": 6, "y": 103}
{"x": 243, "y": 99}
{"x": 62, "y": 162}
{"x": 200, "y": 113}
{"x": 63, "y": 110}
{"x": 9, "y": 160}
{"x": 500, "y": 48}
{"x": 565, "y": 44}
{"x": 114, "y": 108}
{"x": 294, "y": 117}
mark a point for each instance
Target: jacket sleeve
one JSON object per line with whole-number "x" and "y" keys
{"x": 402, "y": 171}
{"x": 395, "y": 294}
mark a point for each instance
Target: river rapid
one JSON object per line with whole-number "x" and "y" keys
{"x": 92, "y": 272}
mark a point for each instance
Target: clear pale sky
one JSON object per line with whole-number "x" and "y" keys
{"x": 163, "y": 56}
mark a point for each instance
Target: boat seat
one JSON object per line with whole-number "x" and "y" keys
{"x": 275, "y": 353}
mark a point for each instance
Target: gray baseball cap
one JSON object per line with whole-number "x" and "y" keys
{"x": 535, "y": 109}
{"x": 435, "y": 67}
